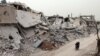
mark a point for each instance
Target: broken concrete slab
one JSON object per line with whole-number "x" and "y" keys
{"x": 11, "y": 34}
{"x": 7, "y": 15}
{"x": 28, "y": 19}
{"x": 37, "y": 43}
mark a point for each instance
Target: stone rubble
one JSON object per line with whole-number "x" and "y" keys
{"x": 31, "y": 30}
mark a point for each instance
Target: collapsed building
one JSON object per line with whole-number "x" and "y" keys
{"x": 8, "y": 30}
{"x": 23, "y": 28}
{"x": 90, "y": 21}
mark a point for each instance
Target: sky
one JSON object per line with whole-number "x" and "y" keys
{"x": 64, "y": 7}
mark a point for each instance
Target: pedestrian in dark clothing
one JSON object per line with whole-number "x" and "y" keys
{"x": 77, "y": 45}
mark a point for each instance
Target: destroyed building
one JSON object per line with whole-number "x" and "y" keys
{"x": 55, "y": 21}
{"x": 8, "y": 30}
{"x": 22, "y": 28}
{"x": 90, "y": 22}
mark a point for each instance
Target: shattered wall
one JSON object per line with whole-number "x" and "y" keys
{"x": 7, "y": 14}
{"x": 9, "y": 37}
{"x": 28, "y": 19}
{"x": 71, "y": 23}
{"x": 55, "y": 22}
{"x": 90, "y": 22}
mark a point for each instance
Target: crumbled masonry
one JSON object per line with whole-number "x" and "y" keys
{"x": 24, "y": 31}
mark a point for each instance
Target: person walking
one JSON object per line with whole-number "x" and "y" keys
{"x": 77, "y": 45}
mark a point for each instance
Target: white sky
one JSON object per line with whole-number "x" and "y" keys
{"x": 64, "y": 7}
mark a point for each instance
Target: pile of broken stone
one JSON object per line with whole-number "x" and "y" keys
{"x": 33, "y": 30}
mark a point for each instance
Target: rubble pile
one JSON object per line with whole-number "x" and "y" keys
{"x": 24, "y": 30}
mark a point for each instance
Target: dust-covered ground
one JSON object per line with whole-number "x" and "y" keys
{"x": 87, "y": 48}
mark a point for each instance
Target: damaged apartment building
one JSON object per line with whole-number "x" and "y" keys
{"x": 21, "y": 27}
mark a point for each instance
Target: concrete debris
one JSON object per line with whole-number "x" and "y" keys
{"x": 10, "y": 36}
{"x": 7, "y": 15}
{"x": 24, "y": 29}
{"x": 32, "y": 20}
{"x": 37, "y": 43}
{"x": 46, "y": 45}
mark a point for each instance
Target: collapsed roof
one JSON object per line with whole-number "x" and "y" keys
{"x": 28, "y": 19}
{"x": 19, "y": 13}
